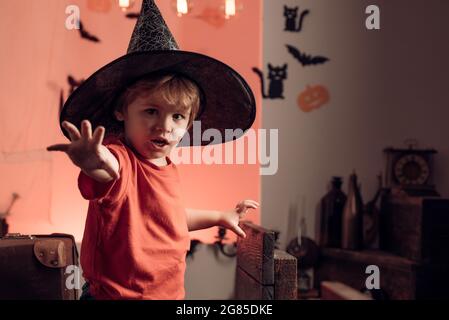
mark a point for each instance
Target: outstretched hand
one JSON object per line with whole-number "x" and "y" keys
{"x": 85, "y": 149}
{"x": 230, "y": 219}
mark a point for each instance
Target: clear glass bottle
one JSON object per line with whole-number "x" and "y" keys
{"x": 352, "y": 222}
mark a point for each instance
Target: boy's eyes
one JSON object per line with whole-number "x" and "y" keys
{"x": 151, "y": 111}
{"x": 177, "y": 116}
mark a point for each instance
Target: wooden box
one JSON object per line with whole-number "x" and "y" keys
{"x": 263, "y": 272}
{"x": 416, "y": 228}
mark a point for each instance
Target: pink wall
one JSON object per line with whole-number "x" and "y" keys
{"x": 37, "y": 54}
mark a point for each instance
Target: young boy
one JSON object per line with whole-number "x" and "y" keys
{"x": 141, "y": 104}
{"x": 136, "y": 233}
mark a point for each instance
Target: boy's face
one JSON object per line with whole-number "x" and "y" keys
{"x": 154, "y": 126}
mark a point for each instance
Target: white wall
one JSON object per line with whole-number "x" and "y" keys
{"x": 385, "y": 86}
{"x": 210, "y": 275}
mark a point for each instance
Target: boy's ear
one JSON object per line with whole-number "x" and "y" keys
{"x": 119, "y": 116}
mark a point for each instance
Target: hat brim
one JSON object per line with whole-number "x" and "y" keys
{"x": 227, "y": 100}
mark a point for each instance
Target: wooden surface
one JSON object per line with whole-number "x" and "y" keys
{"x": 263, "y": 273}
{"x": 285, "y": 276}
{"x": 255, "y": 254}
{"x": 415, "y": 228}
{"x": 247, "y": 288}
{"x": 333, "y": 290}
{"x": 400, "y": 278}
{"x": 376, "y": 257}
{"x": 312, "y": 294}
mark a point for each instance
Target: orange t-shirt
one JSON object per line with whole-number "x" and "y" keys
{"x": 136, "y": 236}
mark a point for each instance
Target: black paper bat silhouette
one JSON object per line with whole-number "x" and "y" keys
{"x": 133, "y": 15}
{"x": 305, "y": 59}
{"x": 73, "y": 83}
{"x": 86, "y": 35}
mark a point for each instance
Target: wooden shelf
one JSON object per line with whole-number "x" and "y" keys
{"x": 376, "y": 257}
{"x": 400, "y": 278}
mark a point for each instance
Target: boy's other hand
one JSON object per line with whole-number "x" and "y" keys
{"x": 230, "y": 219}
{"x": 86, "y": 150}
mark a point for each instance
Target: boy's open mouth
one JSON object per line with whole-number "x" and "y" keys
{"x": 160, "y": 142}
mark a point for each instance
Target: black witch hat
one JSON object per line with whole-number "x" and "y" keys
{"x": 227, "y": 101}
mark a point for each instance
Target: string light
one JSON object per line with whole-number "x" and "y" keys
{"x": 229, "y": 8}
{"x": 125, "y": 4}
{"x": 182, "y": 7}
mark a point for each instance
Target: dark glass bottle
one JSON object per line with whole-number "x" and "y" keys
{"x": 352, "y": 222}
{"x": 3, "y": 227}
{"x": 332, "y": 205}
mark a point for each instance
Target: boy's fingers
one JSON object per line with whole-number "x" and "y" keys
{"x": 244, "y": 205}
{"x": 73, "y": 131}
{"x": 252, "y": 202}
{"x": 239, "y": 232}
{"x": 98, "y": 135}
{"x": 251, "y": 206}
{"x": 86, "y": 129}
{"x": 248, "y": 203}
{"x": 58, "y": 147}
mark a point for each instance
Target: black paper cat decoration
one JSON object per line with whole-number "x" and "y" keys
{"x": 290, "y": 15}
{"x": 305, "y": 59}
{"x": 276, "y": 75}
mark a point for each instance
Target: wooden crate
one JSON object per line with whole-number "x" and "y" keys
{"x": 263, "y": 272}
{"x": 416, "y": 228}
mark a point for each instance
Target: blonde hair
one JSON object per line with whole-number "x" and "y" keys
{"x": 174, "y": 88}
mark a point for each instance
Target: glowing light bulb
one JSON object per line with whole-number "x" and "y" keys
{"x": 125, "y": 4}
{"x": 229, "y": 8}
{"x": 182, "y": 7}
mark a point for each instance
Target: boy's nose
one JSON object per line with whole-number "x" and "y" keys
{"x": 164, "y": 124}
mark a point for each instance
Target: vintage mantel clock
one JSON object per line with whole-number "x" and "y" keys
{"x": 410, "y": 170}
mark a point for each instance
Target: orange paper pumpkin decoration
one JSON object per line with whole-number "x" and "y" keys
{"x": 313, "y": 98}
{"x": 99, "y": 5}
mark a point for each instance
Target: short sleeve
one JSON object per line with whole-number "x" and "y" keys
{"x": 111, "y": 191}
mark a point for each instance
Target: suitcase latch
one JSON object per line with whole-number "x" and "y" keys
{"x": 51, "y": 252}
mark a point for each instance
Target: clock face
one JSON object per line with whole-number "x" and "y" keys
{"x": 411, "y": 169}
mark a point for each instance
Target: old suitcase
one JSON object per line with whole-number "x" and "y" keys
{"x": 43, "y": 267}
